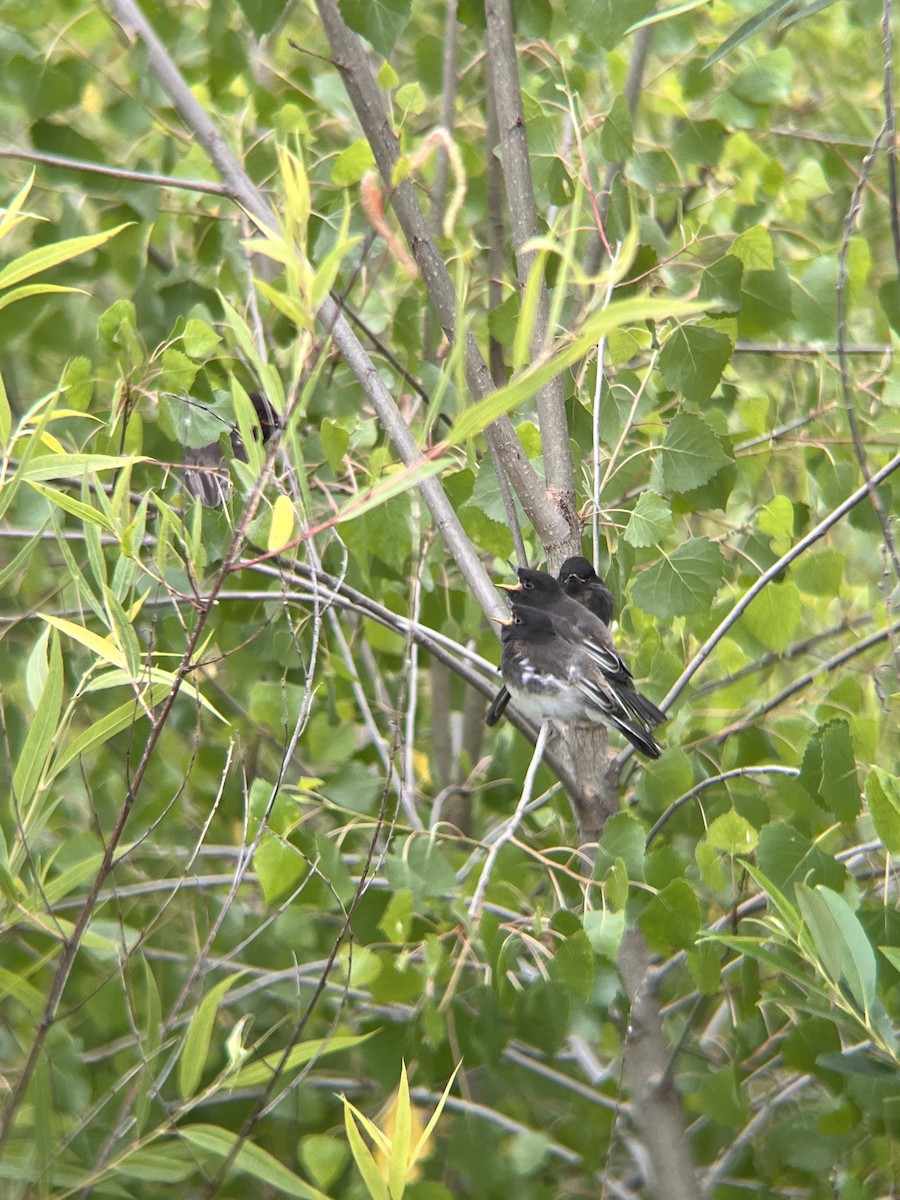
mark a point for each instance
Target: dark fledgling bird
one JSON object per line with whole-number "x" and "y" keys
{"x": 552, "y": 678}
{"x": 580, "y": 581}
{"x": 206, "y": 475}
{"x": 575, "y": 623}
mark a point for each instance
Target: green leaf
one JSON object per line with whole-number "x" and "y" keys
{"x": 785, "y": 855}
{"x": 692, "y": 361}
{"x": 398, "y": 916}
{"x": 262, "y": 15}
{"x": 199, "y": 338}
{"x": 773, "y": 615}
{"x": 815, "y": 302}
{"x": 106, "y": 727}
{"x": 573, "y": 966}
{"x": 75, "y": 466}
{"x": 720, "y": 287}
{"x": 829, "y": 770}
{"x": 733, "y": 834}
{"x": 889, "y": 299}
{"x": 352, "y": 163}
{"x": 672, "y": 918}
{"x": 840, "y": 939}
{"x": 250, "y": 1159}
{"x": 195, "y": 1048}
{"x": 260, "y": 1071}
{"x": 42, "y": 729}
{"x": 755, "y": 23}
{"x": 683, "y": 582}
{"x": 650, "y": 521}
{"x": 754, "y": 248}
{"x": 691, "y": 454}
{"x": 324, "y": 1157}
{"x": 335, "y": 440}
{"x": 179, "y": 372}
{"x": 51, "y": 255}
{"x": 381, "y": 22}
{"x": 617, "y": 135}
{"x": 607, "y": 21}
{"x": 533, "y": 378}
{"x": 623, "y": 839}
{"x": 883, "y": 795}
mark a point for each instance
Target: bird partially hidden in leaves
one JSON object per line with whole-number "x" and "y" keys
{"x": 553, "y": 678}
{"x": 576, "y": 623}
{"x": 205, "y": 471}
{"x": 579, "y": 580}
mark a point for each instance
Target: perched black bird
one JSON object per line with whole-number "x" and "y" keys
{"x": 580, "y": 581}
{"x": 551, "y": 678}
{"x": 206, "y": 475}
{"x": 573, "y": 622}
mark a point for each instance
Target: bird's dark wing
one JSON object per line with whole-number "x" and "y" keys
{"x": 612, "y": 710}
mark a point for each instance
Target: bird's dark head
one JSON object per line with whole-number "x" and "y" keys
{"x": 533, "y": 587}
{"x": 577, "y": 569}
{"x": 528, "y": 624}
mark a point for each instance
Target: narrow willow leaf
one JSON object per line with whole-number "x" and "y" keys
{"x": 123, "y": 633}
{"x": 42, "y": 730}
{"x": 846, "y": 954}
{"x": 77, "y": 466}
{"x": 522, "y": 347}
{"x": 281, "y": 531}
{"x": 195, "y": 1048}
{"x": 398, "y": 1170}
{"x": 107, "y": 651}
{"x": 250, "y": 1159}
{"x": 667, "y": 13}
{"x": 524, "y": 386}
{"x": 5, "y": 415}
{"x": 395, "y": 484}
{"x": 260, "y": 1070}
{"x": 75, "y": 508}
{"x": 435, "y": 1116}
{"x": 18, "y": 563}
{"x": 755, "y": 23}
{"x": 53, "y": 254}
{"x": 12, "y": 213}
{"x": 35, "y": 289}
{"x": 362, "y": 1155}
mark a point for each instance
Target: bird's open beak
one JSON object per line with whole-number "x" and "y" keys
{"x": 502, "y": 620}
{"x": 509, "y": 587}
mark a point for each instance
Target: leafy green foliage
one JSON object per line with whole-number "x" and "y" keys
{"x": 288, "y": 913}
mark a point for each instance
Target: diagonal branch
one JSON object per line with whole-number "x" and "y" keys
{"x": 524, "y": 226}
{"x": 365, "y": 95}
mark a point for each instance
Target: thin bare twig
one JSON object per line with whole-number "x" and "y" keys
{"x": 512, "y": 824}
{"x": 524, "y": 226}
{"x": 767, "y": 576}
{"x": 856, "y": 437}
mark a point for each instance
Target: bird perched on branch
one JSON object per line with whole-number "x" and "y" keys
{"x": 576, "y": 623}
{"x": 551, "y": 677}
{"x": 206, "y": 475}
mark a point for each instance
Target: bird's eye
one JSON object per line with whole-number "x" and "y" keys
{"x": 517, "y": 620}
{"x": 527, "y": 584}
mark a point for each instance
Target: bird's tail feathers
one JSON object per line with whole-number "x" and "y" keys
{"x": 498, "y": 706}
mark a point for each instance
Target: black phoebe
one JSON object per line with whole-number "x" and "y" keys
{"x": 551, "y": 677}
{"x": 205, "y": 475}
{"x": 575, "y": 623}
{"x": 580, "y": 581}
